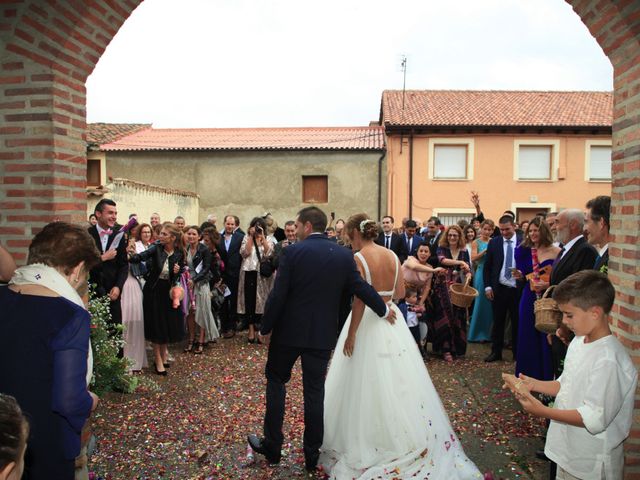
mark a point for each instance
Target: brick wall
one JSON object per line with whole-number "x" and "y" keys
{"x": 616, "y": 27}
{"x": 49, "y": 47}
{"x": 47, "y": 50}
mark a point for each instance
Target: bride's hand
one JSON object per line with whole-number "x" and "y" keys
{"x": 349, "y": 343}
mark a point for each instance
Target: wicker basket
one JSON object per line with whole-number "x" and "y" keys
{"x": 462, "y": 295}
{"x": 548, "y": 315}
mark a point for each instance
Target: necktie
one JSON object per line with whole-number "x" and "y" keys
{"x": 597, "y": 260}
{"x": 409, "y": 242}
{"x": 508, "y": 261}
{"x": 387, "y": 241}
{"x": 557, "y": 260}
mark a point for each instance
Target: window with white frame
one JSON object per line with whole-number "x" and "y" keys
{"x": 536, "y": 159}
{"x": 599, "y": 162}
{"x": 535, "y": 162}
{"x": 451, "y": 158}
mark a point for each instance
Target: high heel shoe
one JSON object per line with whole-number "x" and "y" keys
{"x": 189, "y": 347}
{"x": 158, "y": 372}
{"x": 199, "y": 348}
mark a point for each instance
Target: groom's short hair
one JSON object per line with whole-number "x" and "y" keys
{"x": 315, "y": 217}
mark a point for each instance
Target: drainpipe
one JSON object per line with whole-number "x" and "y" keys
{"x": 411, "y": 175}
{"x": 384, "y": 153}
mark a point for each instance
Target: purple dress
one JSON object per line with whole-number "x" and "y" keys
{"x": 534, "y": 354}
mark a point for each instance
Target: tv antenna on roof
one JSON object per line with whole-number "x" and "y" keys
{"x": 403, "y": 66}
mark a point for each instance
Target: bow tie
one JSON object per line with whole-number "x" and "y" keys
{"x": 106, "y": 232}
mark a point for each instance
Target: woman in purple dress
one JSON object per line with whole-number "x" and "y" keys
{"x": 534, "y": 257}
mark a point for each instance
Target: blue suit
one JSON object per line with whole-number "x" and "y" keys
{"x": 505, "y": 299}
{"x": 302, "y": 314}
{"x": 416, "y": 240}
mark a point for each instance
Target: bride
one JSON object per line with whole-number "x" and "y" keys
{"x": 383, "y": 417}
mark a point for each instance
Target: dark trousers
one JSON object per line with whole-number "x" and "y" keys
{"x": 505, "y": 300}
{"x": 278, "y": 372}
{"x": 116, "y": 312}
{"x": 229, "y": 309}
{"x": 558, "y": 352}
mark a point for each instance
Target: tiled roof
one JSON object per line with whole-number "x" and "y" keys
{"x": 329, "y": 138}
{"x": 99, "y": 133}
{"x": 491, "y": 108}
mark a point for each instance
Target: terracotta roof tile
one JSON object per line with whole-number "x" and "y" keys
{"x": 99, "y": 133}
{"x": 329, "y": 138}
{"x": 497, "y": 108}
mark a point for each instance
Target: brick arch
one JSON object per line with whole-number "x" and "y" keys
{"x": 49, "y": 47}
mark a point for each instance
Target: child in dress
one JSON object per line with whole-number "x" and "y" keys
{"x": 411, "y": 311}
{"x": 592, "y": 413}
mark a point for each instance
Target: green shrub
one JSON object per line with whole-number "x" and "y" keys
{"x": 110, "y": 373}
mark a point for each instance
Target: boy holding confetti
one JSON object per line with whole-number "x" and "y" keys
{"x": 593, "y": 408}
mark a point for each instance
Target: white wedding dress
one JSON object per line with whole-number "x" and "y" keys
{"x": 382, "y": 415}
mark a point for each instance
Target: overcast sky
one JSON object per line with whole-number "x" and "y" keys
{"x": 278, "y": 63}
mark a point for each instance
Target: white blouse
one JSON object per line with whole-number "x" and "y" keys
{"x": 599, "y": 380}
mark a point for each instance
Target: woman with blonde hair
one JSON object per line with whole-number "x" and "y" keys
{"x": 482, "y": 317}
{"x": 450, "y": 321}
{"x": 162, "y": 321}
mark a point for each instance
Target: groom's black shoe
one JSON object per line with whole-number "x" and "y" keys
{"x": 257, "y": 444}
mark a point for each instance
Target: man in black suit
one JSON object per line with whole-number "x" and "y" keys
{"x": 501, "y": 286}
{"x": 411, "y": 240}
{"x": 290, "y": 239}
{"x": 597, "y": 228}
{"x": 301, "y": 320}
{"x": 110, "y": 274}
{"x": 576, "y": 254}
{"x": 391, "y": 240}
{"x": 229, "y": 250}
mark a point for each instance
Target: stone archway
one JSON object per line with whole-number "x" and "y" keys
{"x": 48, "y": 48}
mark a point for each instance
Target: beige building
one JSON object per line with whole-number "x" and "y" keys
{"x": 248, "y": 172}
{"x": 522, "y": 151}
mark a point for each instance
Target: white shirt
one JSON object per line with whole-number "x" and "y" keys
{"x": 509, "y": 282}
{"x": 599, "y": 380}
{"x": 603, "y": 250}
{"x": 412, "y": 317}
{"x": 103, "y": 238}
{"x": 569, "y": 244}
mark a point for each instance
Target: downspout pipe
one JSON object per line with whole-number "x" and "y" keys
{"x": 380, "y": 160}
{"x": 411, "y": 175}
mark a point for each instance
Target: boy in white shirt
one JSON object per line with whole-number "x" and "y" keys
{"x": 593, "y": 409}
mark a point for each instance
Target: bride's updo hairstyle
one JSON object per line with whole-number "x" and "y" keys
{"x": 63, "y": 246}
{"x": 360, "y": 221}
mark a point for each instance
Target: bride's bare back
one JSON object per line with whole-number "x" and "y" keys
{"x": 383, "y": 266}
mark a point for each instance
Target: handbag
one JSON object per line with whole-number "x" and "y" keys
{"x": 266, "y": 267}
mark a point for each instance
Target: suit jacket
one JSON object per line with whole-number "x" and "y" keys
{"x": 232, "y": 258}
{"x": 417, "y": 240}
{"x": 397, "y": 245}
{"x": 303, "y": 307}
{"x": 112, "y": 273}
{"x": 494, "y": 261}
{"x": 581, "y": 256}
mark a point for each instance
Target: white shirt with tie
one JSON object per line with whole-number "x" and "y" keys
{"x": 508, "y": 282}
{"x": 387, "y": 240}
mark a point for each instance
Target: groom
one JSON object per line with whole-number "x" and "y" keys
{"x": 301, "y": 320}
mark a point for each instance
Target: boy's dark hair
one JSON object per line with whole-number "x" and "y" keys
{"x": 510, "y": 213}
{"x": 586, "y": 289}
{"x": 103, "y": 203}
{"x": 600, "y": 208}
{"x": 315, "y": 217}
{"x": 410, "y": 292}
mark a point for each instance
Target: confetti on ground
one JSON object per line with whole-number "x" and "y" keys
{"x": 192, "y": 424}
